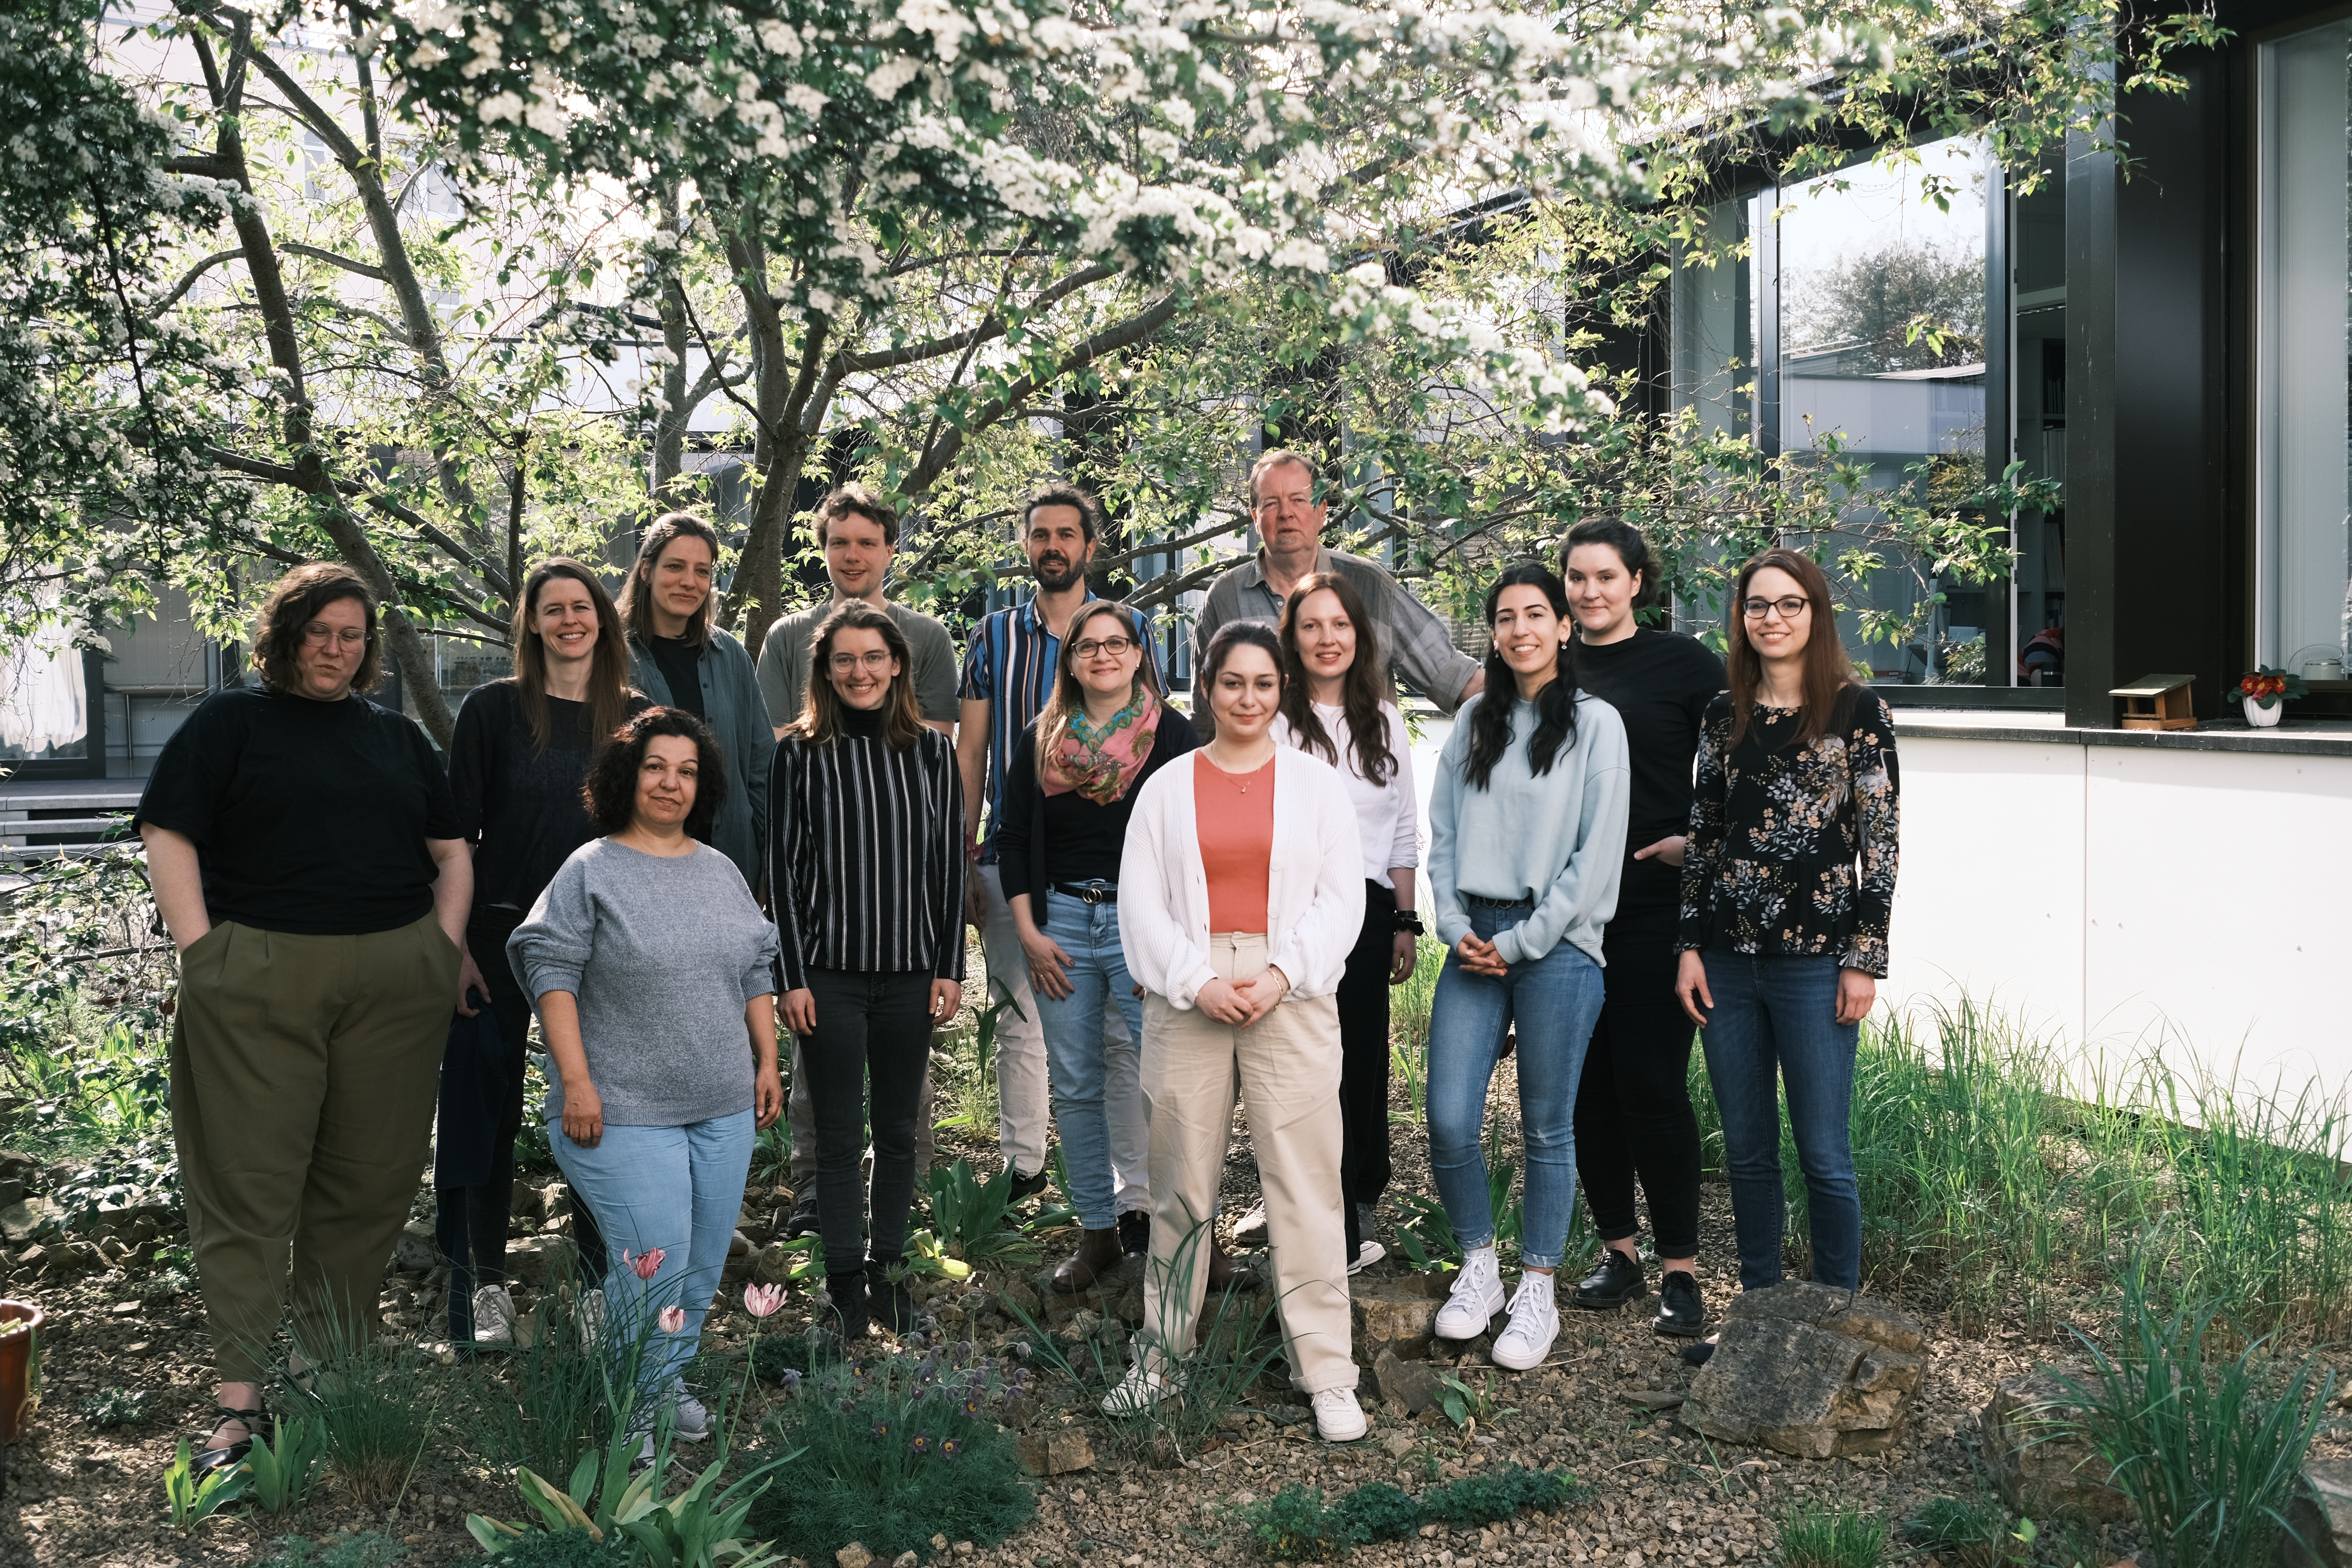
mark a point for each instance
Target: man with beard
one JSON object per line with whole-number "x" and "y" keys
{"x": 1008, "y": 674}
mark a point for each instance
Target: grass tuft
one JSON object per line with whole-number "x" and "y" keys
{"x": 1815, "y": 1536}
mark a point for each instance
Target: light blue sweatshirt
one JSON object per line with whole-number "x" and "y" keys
{"x": 1558, "y": 837}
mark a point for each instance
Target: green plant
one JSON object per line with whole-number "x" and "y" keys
{"x": 360, "y": 1549}
{"x": 974, "y": 1217}
{"x": 194, "y": 1500}
{"x": 789, "y": 1358}
{"x": 1463, "y": 1404}
{"x": 1426, "y": 1237}
{"x": 771, "y": 1151}
{"x": 560, "y": 1404}
{"x": 1293, "y": 1526}
{"x": 1499, "y": 1494}
{"x": 375, "y": 1414}
{"x": 283, "y": 1470}
{"x": 118, "y": 1407}
{"x": 1975, "y": 1532}
{"x": 1813, "y": 1535}
{"x": 1377, "y": 1511}
{"x": 563, "y": 1549}
{"x": 2266, "y": 688}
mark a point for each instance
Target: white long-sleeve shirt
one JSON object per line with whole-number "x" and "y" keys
{"x": 1385, "y": 813}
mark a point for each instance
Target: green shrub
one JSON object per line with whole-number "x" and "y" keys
{"x": 118, "y": 1407}
{"x": 1377, "y": 1511}
{"x": 1813, "y": 1536}
{"x": 375, "y": 1412}
{"x": 1293, "y": 1526}
{"x": 800, "y": 1355}
{"x": 562, "y": 1549}
{"x": 362, "y": 1548}
{"x": 1974, "y": 1532}
{"x": 1483, "y": 1500}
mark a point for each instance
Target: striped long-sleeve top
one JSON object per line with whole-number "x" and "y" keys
{"x": 866, "y": 862}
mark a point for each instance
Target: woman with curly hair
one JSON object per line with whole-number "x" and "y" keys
{"x": 650, "y": 966}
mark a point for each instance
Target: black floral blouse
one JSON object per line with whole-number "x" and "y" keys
{"x": 1792, "y": 853}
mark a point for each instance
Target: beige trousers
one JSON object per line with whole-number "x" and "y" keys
{"x": 1288, "y": 1064}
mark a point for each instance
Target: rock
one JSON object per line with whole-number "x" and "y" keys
{"x": 1101, "y": 1298}
{"x": 1129, "y": 1309}
{"x": 18, "y": 1166}
{"x": 23, "y": 1220}
{"x": 1392, "y": 1315}
{"x": 414, "y": 1252}
{"x": 1808, "y": 1370}
{"x": 126, "y": 1222}
{"x": 1651, "y": 1398}
{"x": 904, "y": 1560}
{"x": 774, "y": 1265}
{"x": 1398, "y": 1445}
{"x": 68, "y": 1257}
{"x": 1056, "y": 1453}
{"x": 1411, "y": 1386}
{"x": 739, "y": 1246}
{"x": 539, "y": 1261}
{"x": 12, "y": 1192}
{"x": 2043, "y": 1469}
{"x": 1017, "y": 1299}
{"x": 2319, "y": 1531}
{"x": 854, "y": 1555}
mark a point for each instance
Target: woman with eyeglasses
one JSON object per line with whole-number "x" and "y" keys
{"x": 1068, "y": 792}
{"x": 1787, "y": 884}
{"x": 866, "y": 868}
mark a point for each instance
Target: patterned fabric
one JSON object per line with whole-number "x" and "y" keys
{"x": 1793, "y": 853}
{"x": 1101, "y": 762}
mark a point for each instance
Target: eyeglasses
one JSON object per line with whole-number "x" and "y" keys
{"x": 1790, "y": 608}
{"x": 1118, "y": 648}
{"x": 878, "y": 658}
{"x": 316, "y": 636}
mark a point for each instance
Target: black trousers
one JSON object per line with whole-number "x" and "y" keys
{"x": 865, "y": 1065}
{"x": 471, "y": 1223}
{"x": 1364, "y": 1168}
{"x": 1633, "y": 1105}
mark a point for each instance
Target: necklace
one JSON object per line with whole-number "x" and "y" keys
{"x": 1239, "y": 781}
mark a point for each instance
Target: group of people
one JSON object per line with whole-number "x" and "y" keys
{"x": 658, "y": 849}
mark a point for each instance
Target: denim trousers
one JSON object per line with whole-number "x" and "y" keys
{"x": 866, "y": 1064}
{"x": 1777, "y": 1017}
{"x": 678, "y": 1189}
{"x": 1554, "y": 1001}
{"x": 1075, "y": 1058}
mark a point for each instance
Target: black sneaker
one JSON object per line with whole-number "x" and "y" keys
{"x": 1617, "y": 1280}
{"x": 803, "y": 1221}
{"x": 889, "y": 1301}
{"x": 1135, "y": 1233}
{"x": 1024, "y": 1187}
{"x": 844, "y": 1312}
{"x": 1682, "y": 1314}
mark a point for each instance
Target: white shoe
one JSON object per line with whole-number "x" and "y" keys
{"x": 1368, "y": 1252}
{"x": 1526, "y": 1339}
{"x": 494, "y": 1316}
{"x": 1338, "y": 1418}
{"x": 1250, "y": 1229}
{"x": 592, "y": 1320}
{"x": 1138, "y": 1392}
{"x": 692, "y": 1420}
{"x": 1478, "y": 1296}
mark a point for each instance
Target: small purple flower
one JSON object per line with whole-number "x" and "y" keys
{"x": 881, "y": 1429}
{"x": 848, "y": 1405}
{"x": 971, "y": 1406}
{"x": 921, "y": 1444}
{"x": 791, "y": 1377}
{"x": 1020, "y": 1349}
{"x": 949, "y": 1448}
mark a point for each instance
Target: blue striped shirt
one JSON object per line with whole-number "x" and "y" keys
{"x": 1009, "y": 664}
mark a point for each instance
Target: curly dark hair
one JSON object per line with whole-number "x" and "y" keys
{"x": 295, "y": 600}
{"x": 1490, "y": 721}
{"x": 610, "y": 793}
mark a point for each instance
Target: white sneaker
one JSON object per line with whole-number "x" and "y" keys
{"x": 1478, "y": 1296}
{"x": 592, "y": 1320}
{"x": 1526, "y": 1339}
{"x": 1138, "y": 1392}
{"x": 1338, "y": 1418}
{"x": 692, "y": 1421}
{"x": 1250, "y": 1229}
{"x": 494, "y": 1316}
{"x": 1368, "y": 1252}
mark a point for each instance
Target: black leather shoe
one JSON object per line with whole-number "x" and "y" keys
{"x": 1135, "y": 1233}
{"x": 1617, "y": 1280}
{"x": 803, "y": 1221}
{"x": 1682, "y": 1314}
{"x": 892, "y": 1304}
{"x": 1025, "y": 1187}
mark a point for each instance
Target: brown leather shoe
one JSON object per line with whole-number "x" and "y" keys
{"x": 1224, "y": 1274}
{"x": 1097, "y": 1254}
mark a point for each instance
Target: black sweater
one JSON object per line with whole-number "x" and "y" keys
{"x": 1660, "y": 683}
{"x": 521, "y": 807}
{"x": 1067, "y": 837}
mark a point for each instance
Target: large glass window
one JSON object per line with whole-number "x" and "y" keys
{"x": 2303, "y": 577}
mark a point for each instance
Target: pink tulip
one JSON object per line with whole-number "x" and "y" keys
{"x": 762, "y": 1300}
{"x": 646, "y": 1263}
{"x": 672, "y": 1319}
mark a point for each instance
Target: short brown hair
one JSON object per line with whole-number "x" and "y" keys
{"x": 294, "y": 602}
{"x": 610, "y": 791}
{"x": 1276, "y": 458}
{"x": 860, "y": 500}
{"x": 637, "y": 593}
{"x": 1090, "y": 513}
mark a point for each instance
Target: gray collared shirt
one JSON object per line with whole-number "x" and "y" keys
{"x": 1417, "y": 642}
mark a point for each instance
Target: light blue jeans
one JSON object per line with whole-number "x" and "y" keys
{"x": 679, "y": 1189}
{"x": 1554, "y": 1001}
{"x": 1074, "y": 1050}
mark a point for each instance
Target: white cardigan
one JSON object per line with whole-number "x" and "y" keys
{"x": 1314, "y": 887}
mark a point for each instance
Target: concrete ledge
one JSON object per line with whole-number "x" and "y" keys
{"x": 2310, "y": 737}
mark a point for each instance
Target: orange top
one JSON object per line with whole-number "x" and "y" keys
{"x": 1234, "y": 814}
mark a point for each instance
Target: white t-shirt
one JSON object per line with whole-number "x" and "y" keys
{"x": 1384, "y": 813}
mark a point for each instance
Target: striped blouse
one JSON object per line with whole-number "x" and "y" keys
{"x": 866, "y": 862}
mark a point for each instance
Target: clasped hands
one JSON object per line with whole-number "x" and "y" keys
{"x": 1240, "y": 1002}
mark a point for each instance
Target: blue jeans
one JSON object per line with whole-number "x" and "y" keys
{"x": 1074, "y": 1047}
{"x": 1554, "y": 1001}
{"x": 1778, "y": 1016}
{"x": 676, "y": 1188}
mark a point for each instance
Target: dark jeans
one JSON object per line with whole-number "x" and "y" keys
{"x": 1364, "y": 1168}
{"x": 1777, "y": 1018}
{"x": 469, "y": 1223}
{"x": 1634, "y": 1112}
{"x": 876, "y": 1028}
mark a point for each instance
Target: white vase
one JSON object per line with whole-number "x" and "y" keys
{"x": 2262, "y": 717}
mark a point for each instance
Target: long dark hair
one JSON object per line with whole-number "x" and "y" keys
{"x": 637, "y": 593}
{"x": 608, "y": 669}
{"x": 1361, "y": 692}
{"x": 821, "y": 709}
{"x": 610, "y": 791}
{"x": 1069, "y": 692}
{"x": 1490, "y": 721}
{"x": 1632, "y": 553}
{"x": 1231, "y": 635}
{"x": 294, "y": 600}
{"x": 1827, "y": 670}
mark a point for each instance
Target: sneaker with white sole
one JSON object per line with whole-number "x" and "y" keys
{"x": 1526, "y": 1339}
{"x": 1138, "y": 1392}
{"x": 1368, "y": 1252}
{"x": 1478, "y": 1296}
{"x": 1338, "y": 1418}
{"x": 1250, "y": 1229}
{"x": 494, "y": 1316}
{"x": 692, "y": 1421}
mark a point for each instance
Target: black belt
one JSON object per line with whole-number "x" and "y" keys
{"x": 1480, "y": 901}
{"x": 1098, "y": 893}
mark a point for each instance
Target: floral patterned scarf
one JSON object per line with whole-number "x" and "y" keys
{"x": 1101, "y": 761}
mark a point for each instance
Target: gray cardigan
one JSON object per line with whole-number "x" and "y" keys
{"x": 738, "y": 716}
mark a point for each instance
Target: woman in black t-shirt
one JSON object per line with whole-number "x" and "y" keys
{"x": 1633, "y": 1105}
{"x": 516, "y": 764}
{"x": 306, "y": 858}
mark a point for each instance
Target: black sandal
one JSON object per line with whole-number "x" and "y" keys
{"x": 207, "y": 1460}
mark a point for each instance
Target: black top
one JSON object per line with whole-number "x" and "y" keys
{"x": 521, "y": 807}
{"x": 1049, "y": 838}
{"x": 307, "y": 817}
{"x": 1793, "y": 853}
{"x": 1660, "y": 683}
{"x": 681, "y": 666}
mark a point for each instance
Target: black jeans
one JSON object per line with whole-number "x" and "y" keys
{"x": 1633, "y": 1108}
{"x": 873, "y": 1027}
{"x": 1364, "y": 1168}
{"x": 471, "y": 1223}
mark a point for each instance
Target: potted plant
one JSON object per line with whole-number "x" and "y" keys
{"x": 2264, "y": 692}
{"x": 20, "y": 1367}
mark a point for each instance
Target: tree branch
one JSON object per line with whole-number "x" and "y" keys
{"x": 363, "y": 269}
{"x": 987, "y": 332}
{"x": 189, "y": 280}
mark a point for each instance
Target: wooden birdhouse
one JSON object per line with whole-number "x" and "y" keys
{"x": 2156, "y": 702}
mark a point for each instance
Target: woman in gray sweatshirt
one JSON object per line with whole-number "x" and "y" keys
{"x": 1526, "y": 828}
